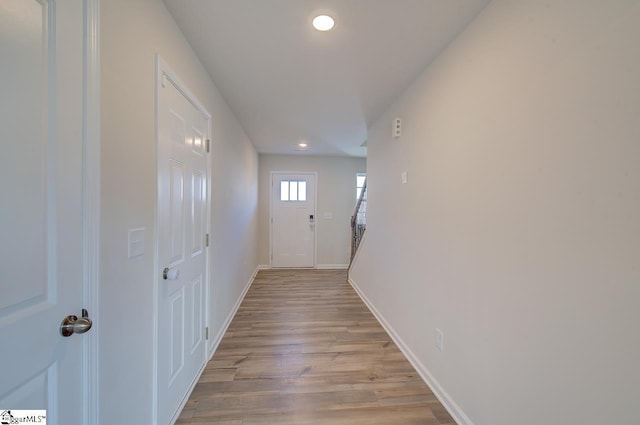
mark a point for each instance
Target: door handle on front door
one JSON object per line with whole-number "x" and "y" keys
{"x": 72, "y": 324}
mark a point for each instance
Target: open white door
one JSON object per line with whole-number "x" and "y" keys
{"x": 183, "y": 132}
{"x": 43, "y": 209}
{"x": 293, "y": 228}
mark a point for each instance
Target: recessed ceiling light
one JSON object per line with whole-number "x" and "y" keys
{"x": 323, "y": 22}
{"x": 302, "y": 145}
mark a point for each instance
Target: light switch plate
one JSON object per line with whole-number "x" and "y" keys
{"x": 136, "y": 242}
{"x": 405, "y": 177}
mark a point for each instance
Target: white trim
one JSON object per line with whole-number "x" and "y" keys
{"x": 315, "y": 213}
{"x": 452, "y": 407}
{"x": 163, "y": 73}
{"x": 91, "y": 204}
{"x": 209, "y": 250}
{"x": 332, "y": 266}
{"x": 318, "y": 267}
{"x": 215, "y": 342}
{"x": 156, "y": 262}
{"x": 164, "y": 70}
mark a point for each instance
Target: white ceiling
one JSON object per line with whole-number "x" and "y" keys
{"x": 287, "y": 82}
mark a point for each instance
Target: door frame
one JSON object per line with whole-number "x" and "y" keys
{"x": 164, "y": 71}
{"x": 272, "y": 174}
{"x": 91, "y": 205}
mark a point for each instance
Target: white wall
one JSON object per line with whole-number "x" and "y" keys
{"x": 131, "y": 34}
{"x": 336, "y": 195}
{"x": 518, "y": 233}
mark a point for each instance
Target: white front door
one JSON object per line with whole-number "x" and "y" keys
{"x": 41, "y": 208}
{"x": 293, "y": 219}
{"x": 183, "y": 130}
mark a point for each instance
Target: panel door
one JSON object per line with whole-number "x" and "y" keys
{"x": 293, "y": 220}
{"x": 41, "y": 207}
{"x": 182, "y": 215}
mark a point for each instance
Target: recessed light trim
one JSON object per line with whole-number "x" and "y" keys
{"x": 323, "y": 22}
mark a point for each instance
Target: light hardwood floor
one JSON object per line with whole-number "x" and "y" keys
{"x": 304, "y": 349}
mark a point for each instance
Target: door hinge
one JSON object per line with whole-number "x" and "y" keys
{"x": 206, "y": 333}
{"x": 207, "y": 145}
{"x": 206, "y": 240}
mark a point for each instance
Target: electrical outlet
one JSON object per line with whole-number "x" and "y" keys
{"x": 439, "y": 339}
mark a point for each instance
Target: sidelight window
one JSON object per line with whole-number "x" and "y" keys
{"x": 360, "y": 178}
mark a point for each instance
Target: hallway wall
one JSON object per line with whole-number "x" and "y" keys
{"x": 131, "y": 34}
{"x": 517, "y": 233}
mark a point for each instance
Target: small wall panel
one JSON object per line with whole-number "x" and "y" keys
{"x": 176, "y": 211}
{"x": 177, "y": 335}
{"x": 177, "y": 131}
{"x": 198, "y": 142}
{"x": 197, "y": 212}
{"x": 197, "y": 326}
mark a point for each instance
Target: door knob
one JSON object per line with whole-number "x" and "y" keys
{"x": 170, "y": 274}
{"x": 73, "y": 324}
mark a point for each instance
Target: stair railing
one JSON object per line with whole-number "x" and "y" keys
{"x": 358, "y": 221}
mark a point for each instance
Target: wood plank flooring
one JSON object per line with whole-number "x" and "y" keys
{"x": 304, "y": 349}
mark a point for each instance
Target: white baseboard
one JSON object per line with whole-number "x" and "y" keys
{"x": 332, "y": 266}
{"x": 452, "y": 407}
{"x": 216, "y": 341}
{"x": 318, "y": 267}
